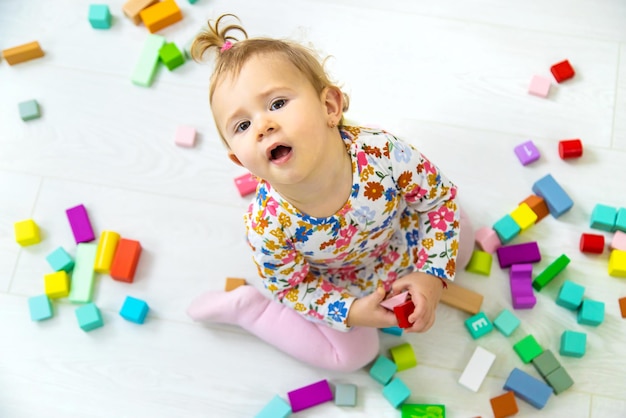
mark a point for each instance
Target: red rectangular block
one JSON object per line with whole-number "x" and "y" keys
{"x": 125, "y": 260}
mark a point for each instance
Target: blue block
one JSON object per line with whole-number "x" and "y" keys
{"x": 603, "y": 217}
{"x": 59, "y": 259}
{"x": 528, "y": 388}
{"x": 620, "y": 220}
{"x": 345, "y": 394}
{"x": 383, "y": 370}
{"x": 506, "y": 228}
{"x": 506, "y": 322}
{"x": 99, "y": 16}
{"x": 89, "y": 317}
{"x": 573, "y": 344}
{"x": 134, "y": 310}
{"x": 557, "y": 200}
{"x": 478, "y": 325}
{"x": 277, "y": 408}
{"x": 571, "y": 295}
{"x": 396, "y": 392}
{"x": 392, "y": 330}
{"x": 40, "y": 308}
{"x": 591, "y": 312}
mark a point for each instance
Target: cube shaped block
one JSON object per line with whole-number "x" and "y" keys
{"x": 134, "y": 310}
{"x": 603, "y": 218}
{"x": 571, "y": 295}
{"x": 89, "y": 317}
{"x": 546, "y": 363}
{"x": 617, "y": 263}
{"x": 404, "y": 356}
{"x": 185, "y": 136}
{"x": 397, "y": 331}
{"x": 59, "y": 259}
{"x": 26, "y": 232}
{"x": 562, "y": 71}
{"x": 560, "y": 380}
{"x": 40, "y": 308}
{"x": 504, "y": 405}
{"x": 246, "y": 184}
{"x": 478, "y": 325}
{"x": 396, "y": 392}
{"x": 524, "y": 216}
{"x": 171, "y": 56}
{"x": 556, "y": 198}
{"x": 345, "y": 394}
{"x": 591, "y": 312}
{"x": 506, "y": 322}
{"x": 57, "y": 284}
{"x": 619, "y": 241}
{"x": 383, "y": 370}
{"x": 573, "y": 344}
{"x": 591, "y": 243}
{"x": 620, "y": 220}
{"x": 539, "y": 86}
{"x": 506, "y": 228}
{"x": 527, "y": 152}
{"x": 527, "y": 348}
{"x": 276, "y": 408}
{"x": 487, "y": 239}
{"x": 99, "y": 16}
{"x": 480, "y": 263}
{"x": 29, "y": 110}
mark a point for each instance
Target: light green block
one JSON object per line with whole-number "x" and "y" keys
{"x": 83, "y": 275}
{"x": 412, "y": 410}
{"x": 29, "y": 110}
{"x": 528, "y": 348}
{"x": 148, "y": 62}
{"x": 404, "y": 356}
{"x": 480, "y": 263}
{"x": 550, "y": 272}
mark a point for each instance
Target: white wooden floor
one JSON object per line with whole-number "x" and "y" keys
{"x": 451, "y": 76}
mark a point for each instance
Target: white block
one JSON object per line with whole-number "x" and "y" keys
{"x": 477, "y": 369}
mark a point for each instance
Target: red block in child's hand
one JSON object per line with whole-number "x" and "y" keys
{"x": 402, "y": 312}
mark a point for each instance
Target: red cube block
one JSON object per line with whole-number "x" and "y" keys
{"x": 562, "y": 71}
{"x": 402, "y": 312}
{"x": 592, "y": 243}
{"x": 570, "y": 148}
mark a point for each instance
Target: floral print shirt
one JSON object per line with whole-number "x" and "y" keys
{"x": 401, "y": 216}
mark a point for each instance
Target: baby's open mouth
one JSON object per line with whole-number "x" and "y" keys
{"x": 279, "y": 152}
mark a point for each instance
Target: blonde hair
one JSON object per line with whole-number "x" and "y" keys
{"x": 232, "y": 53}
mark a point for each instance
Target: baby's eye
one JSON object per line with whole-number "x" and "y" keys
{"x": 277, "y": 104}
{"x": 242, "y": 126}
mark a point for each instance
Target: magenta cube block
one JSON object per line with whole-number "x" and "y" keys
{"x": 527, "y": 252}
{"x": 81, "y": 226}
{"x": 527, "y": 152}
{"x": 521, "y": 272}
{"x": 311, "y": 395}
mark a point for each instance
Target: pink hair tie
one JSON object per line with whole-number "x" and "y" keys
{"x": 227, "y": 45}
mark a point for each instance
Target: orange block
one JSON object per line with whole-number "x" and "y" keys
{"x": 504, "y": 405}
{"x": 622, "y": 306}
{"x": 538, "y": 205}
{"x": 23, "y": 53}
{"x": 125, "y": 260}
{"x": 233, "y": 283}
{"x": 161, "y": 15}
{"x": 132, "y": 8}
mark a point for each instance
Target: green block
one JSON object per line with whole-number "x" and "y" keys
{"x": 413, "y": 410}
{"x": 550, "y": 272}
{"x": 99, "y": 16}
{"x": 404, "y": 356}
{"x": 383, "y": 370}
{"x": 145, "y": 69}
{"x": 29, "y": 110}
{"x": 89, "y": 317}
{"x": 620, "y": 220}
{"x": 527, "y": 348}
{"x": 506, "y": 322}
{"x": 560, "y": 380}
{"x": 396, "y": 392}
{"x": 570, "y": 295}
{"x": 546, "y": 363}
{"x": 506, "y": 228}
{"x": 83, "y": 275}
{"x": 603, "y": 218}
{"x": 480, "y": 263}
{"x": 478, "y": 325}
{"x": 591, "y": 312}
{"x": 573, "y": 344}
{"x": 171, "y": 56}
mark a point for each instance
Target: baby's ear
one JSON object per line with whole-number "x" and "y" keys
{"x": 234, "y": 158}
{"x": 333, "y": 99}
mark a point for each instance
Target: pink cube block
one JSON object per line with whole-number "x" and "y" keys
{"x": 487, "y": 239}
{"x": 619, "y": 241}
{"x": 539, "y": 86}
{"x": 246, "y": 184}
{"x": 185, "y": 136}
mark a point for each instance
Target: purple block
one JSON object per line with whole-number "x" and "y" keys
{"x": 520, "y": 288}
{"x": 309, "y": 396}
{"x": 521, "y": 272}
{"x": 527, "y": 152}
{"x": 79, "y": 221}
{"x": 524, "y": 302}
{"x": 528, "y": 252}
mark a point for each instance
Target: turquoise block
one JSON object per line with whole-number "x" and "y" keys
{"x": 573, "y": 344}
{"x": 478, "y": 325}
{"x": 276, "y": 408}
{"x": 571, "y": 295}
{"x": 556, "y": 198}
{"x": 506, "y": 228}
{"x": 89, "y": 317}
{"x": 193, "y": 1}
{"x": 506, "y": 322}
{"x": 383, "y": 370}
{"x": 392, "y": 330}
{"x": 396, "y": 392}
{"x": 603, "y": 217}
{"x": 134, "y": 310}
{"x": 40, "y": 308}
{"x": 345, "y": 394}
{"x": 59, "y": 259}
{"x": 99, "y": 16}
{"x": 591, "y": 312}
{"x": 620, "y": 220}
{"x": 29, "y": 110}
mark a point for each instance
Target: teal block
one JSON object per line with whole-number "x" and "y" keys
{"x": 29, "y": 110}
{"x": 506, "y": 322}
{"x": 59, "y": 259}
{"x": 591, "y": 312}
{"x": 571, "y": 295}
{"x": 276, "y": 408}
{"x": 134, "y": 310}
{"x": 603, "y": 218}
{"x": 506, "y": 228}
{"x": 99, "y": 16}
{"x": 383, "y": 370}
{"x": 392, "y": 330}
{"x": 40, "y": 308}
{"x": 573, "y": 344}
{"x": 345, "y": 394}
{"x": 89, "y": 317}
{"x": 560, "y": 380}
{"x": 171, "y": 56}
{"x": 546, "y": 363}
{"x": 478, "y": 325}
{"x": 528, "y": 348}
{"x": 396, "y": 392}
{"x": 146, "y": 67}
{"x": 193, "y": 1}
{"x": 620, "y": 220}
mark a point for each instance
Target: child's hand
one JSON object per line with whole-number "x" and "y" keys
{"x": 425, "y": 291}
{"x": 367, "y": 312}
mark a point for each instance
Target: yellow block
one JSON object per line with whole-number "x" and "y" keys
{"x": 22, "y": 53}
{"x": 105, "y": 251}
{"x": 524, "y": 216}
{"x": 26, "y": 232}
{"x": 57, "y": 285}
{"x": 132, "y": 8}
{"x": 617, "y": 263}
{"x": 161, "y": 15}
{"x": 233, "y": 283}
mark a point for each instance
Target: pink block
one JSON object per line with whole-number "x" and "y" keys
{"x": 394, "y": 301}
{"x": 524, "y": 302}
{"x": 487, "y": 239}
{"x": 619, "y": 241}
{"x": 539, "y": 86}
{"x": 521, "y": 272}
{"x": 185, "y": 136}
{"x": 246, "y": 184}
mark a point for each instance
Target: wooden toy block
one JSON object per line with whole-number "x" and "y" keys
{"x": 125, "y": 260}
{"x": 550, "y": 272}
{"x": 560, "y": 380}
{"x": 403, "y": 311}
{"x": 591, "y": 312}
{"x": 562, "y": 71}
{"x": 545, "y": 363}
{"x": 80, "y": 224}
{"x": 134, "y": 310}
{"x": 311, "y": 395}
{"x": 89, "y": 317}
{"x": 394, "y": 301}
{"x": 527, "y": 252}
{"x": 591, "y": 243}
{"x": 504, "y": 405}
{"x": 538, "y": 205}
{"x": 478, "y": 325}
{"x": 83, "y": 275}
{"x": 23, "y": 53}
{"x": 507, "y": 229}
{"x": 59, "y": 259}
{"x": 477, "y": 368}
{"x": 345, "y": 394}
{"x": 527, "y": 152}
{"x": 393, "y": 331}
{"x": 246, "y": 184}
{"x": 539, "y": 86}
{"x": 556, "y": 198}
{"x": 160, "y": 15}
{"x": 521, "y": 272}
{"x": 527, "y": 348}
{"x": 148, "y": 62}
{"x": 603, "y": 217}
{"x": 171, "y": 56}
{"x": 99, "y": 16}
{"x": 524, "y": 216}
{"x": 620, "y": 220}
{"x": 40, "y": 308}
{"x": 622, "y": 306}
{"x": 383, "y": 370}
{"x": 570, "y": 148}
{"x": 132, "y": 8}
{"x": 487, "y": 239}
{"x": 185, "y": 136}
{"x": 461, "y": 298}
{"x": 506, "y": 322}
{"x": 106, "y": 251}
{"x": 233, "y": 283}
{"x": 396, "y": 392}
{"x": 412, "y": 410}
{"x": 480, "y": 263}
{"x": 570, "y": 295}
{"x": 528, "y": 388}
{"x": 276, "y": 408}
{"x": 404, "y": 356}
{"x": 618, "y": 242}
{"x": 26, "y": 232}
{"x": 520, "y": 278}
{"x": 524, "y": 302}
{"x": 29, "y": 110}
{"x": 573, "y": 344}
{"x": 57, "y": 284}
{"x": 617, "y": 263}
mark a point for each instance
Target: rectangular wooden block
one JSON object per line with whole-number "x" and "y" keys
{"x": 23, "y": 53}
{"x": 233, "y": 283}
{"x": 538, "y": 205}
{"x": 145, "y": 69}
{"x": 132, "y": 8}
{"x": 528, "y": 388}
{"x": 83, "y": 275}
{"x": 527, "y": 252}
{"x": 311, "y": 395}
{"x": 477, "y": 369}
{"x": 80, "y": 224}
{"x": 125, "y": 260}
{"x": 504, "y": 405}
{"x": 462, "y": 298}
{"x": 161, "y": 15}
{"x": 556, "y": 198}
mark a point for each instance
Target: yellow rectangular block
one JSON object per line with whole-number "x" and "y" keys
{"x": 57, "y": 285}
{"x": 26, "y": 232}
{"x": 161, "y": 15}
{"x": 524, "y": 216}
{"x": 105, "y": 252}
{"x": 233, "y": 283}
{"x": 617, "y": 263}
{"x": 132, "y": 8}
{"x": 23, "y": 53}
